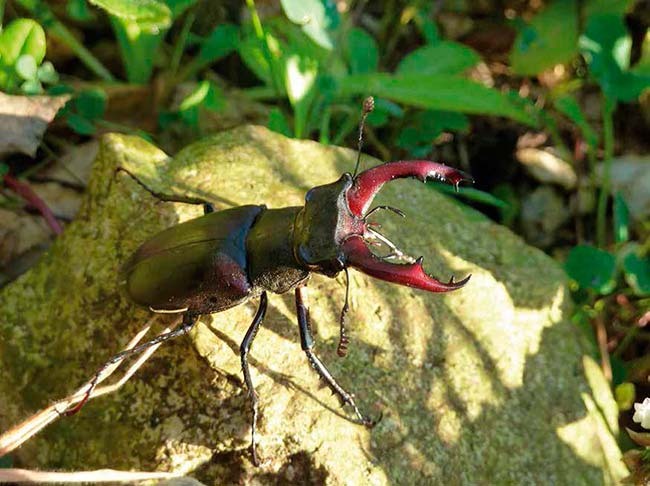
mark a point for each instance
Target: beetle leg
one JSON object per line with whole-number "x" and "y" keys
{"x": 188, "y": 323}
{"x": 208, "y": 208}
{"x": 307, "y": 343}
{"x": 244, "y": 348}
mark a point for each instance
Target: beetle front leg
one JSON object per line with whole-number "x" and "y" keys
{"x": 307, "y": 343}
{"x": 244, "y": 348}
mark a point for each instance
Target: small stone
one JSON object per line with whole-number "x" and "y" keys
{"x": 547, "y": 167}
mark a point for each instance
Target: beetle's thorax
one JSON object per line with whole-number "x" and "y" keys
{"x": 323, "y": 225}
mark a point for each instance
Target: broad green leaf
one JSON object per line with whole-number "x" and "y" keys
{"x": 592, "y": 268}
{"x": 150, "y": 15}
{"x": 300, "y": 75}
{"x": 383, "y": 110}
{"x": 279, "y": 123}
{"x": 418, "y": 135}
{"x": 440, "y": 58}
{"x": 79, "y": 10}
{"x": 624, "y": 394}
{"x": 47, "y": 74}
{"x": 316, "y": 17}
{"x": 637, "y": 273}
{"x": 252, "y": 53}
{"x": 568, "y": 106}
{"x": 138, "y": 47}
{"x": 621, "y": 219}
{"x": 362, "y": 51}
{"x": 550, "y": 39}
{"x": 177, "y": 7}
{"x": 605, "y": 45}
{"x": 196, "y": 97}
{"x": 26, "y": 67}
{"x": 598, "y": 7}
{"x": 436, "y": 92}
{"x": 222, "y": 41}
{"x": 90, "y": 104}
{"x": 31, "y": 87}
{"x": 22, "y": 36}
{"x": 79, "y": 124}
{"x": 471, "y": 194}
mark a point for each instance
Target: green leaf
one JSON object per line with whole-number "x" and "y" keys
{"x": 550, "y": 39}
{"x": 471, "y": 194}
{"x": 440, "y": 58}
{"x": 279, "y": 123}
{"x": 621, "y": 219}
{"x": 32, "y": 87}
{"x": 624, "y": 394}
{"x": 383, "y": 110}
{"x": 26, "y": 67}
{"x": 150, "y": 15}
{"x": 637, "y": 273}
{"x": 78, "y": 10}
{"x": 598, "y": 7}
{"x": 252, "y": 53}
{"x": 606, "y": 45}
{"x": 177, "y": 7}
{"x": 22, "y": 36}
{"x": 436, "y": 92}
{"x": 425, "y": 126}
{"x": 592, "y": 268}
{"x": 4, "y": 169}
{"x": 222, "y": 41}
{"x": 196, "y": 96}
{"x": 138, "y": 47}
{"x": 300, "y": 75}
{"x": 47, "y": 74}
{"x": 316, "y": 17}
{"x": 79, "y": 124}
{"x": 569, "y": 107}
{"x": 362, "y": 51}
{"x": 90, "y": 104}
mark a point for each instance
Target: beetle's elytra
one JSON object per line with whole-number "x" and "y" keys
{"x": 226, "y": 258}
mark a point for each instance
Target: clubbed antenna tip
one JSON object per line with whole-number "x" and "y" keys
{"x": 368, "y": 106}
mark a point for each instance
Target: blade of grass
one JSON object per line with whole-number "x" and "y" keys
{"x": 608, "y": 147}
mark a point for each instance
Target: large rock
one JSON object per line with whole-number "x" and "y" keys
{"x": 491, "y": 384}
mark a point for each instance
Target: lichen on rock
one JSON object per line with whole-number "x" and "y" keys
{"x": 491, "y": 384}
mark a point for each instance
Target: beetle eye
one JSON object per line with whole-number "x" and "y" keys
{"x": 309, "y": 195}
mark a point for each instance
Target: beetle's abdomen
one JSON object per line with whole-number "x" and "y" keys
{"x": 199, "y": 265}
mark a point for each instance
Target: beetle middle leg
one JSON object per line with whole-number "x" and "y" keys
{"x": 307, "y": 343}
{"x": 244, "y": 348}
{"x": 188, "y": 323}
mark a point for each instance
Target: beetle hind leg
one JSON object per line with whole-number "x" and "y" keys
{"x": 188, "y": 323}
{"x": 307, "y": 343}
{"x": 244, "y": 348}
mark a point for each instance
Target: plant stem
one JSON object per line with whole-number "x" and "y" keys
{"x": 608, "y": 146}
{"x": 263, "y": 38}
{"x": 29, "y": 196}
{"x": 45, "y": 16}
{"x": 2, "y": 12}
{"x": 181, "y": 43}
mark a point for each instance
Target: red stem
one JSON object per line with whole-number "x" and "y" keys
{"x": 28, "y": 195}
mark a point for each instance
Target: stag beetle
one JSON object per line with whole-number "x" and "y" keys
{"x": 225, "y": 258}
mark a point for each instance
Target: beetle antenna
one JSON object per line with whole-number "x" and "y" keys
{"x": 368, "y": 106}
{"x": 342, "y": 348}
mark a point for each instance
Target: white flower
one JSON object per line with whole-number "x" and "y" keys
{"x": 642, "y": 413}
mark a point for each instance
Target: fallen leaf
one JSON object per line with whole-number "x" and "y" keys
{"x": 24, "y": 119}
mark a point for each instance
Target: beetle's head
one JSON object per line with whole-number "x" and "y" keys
{"x": 332, "y": 231}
